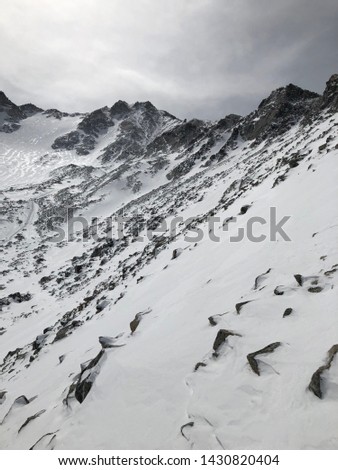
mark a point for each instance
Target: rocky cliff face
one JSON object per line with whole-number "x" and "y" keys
{"x": 330, "y": 95}
{"x": 181, "y": 318}
{"x": 278, "y": 113}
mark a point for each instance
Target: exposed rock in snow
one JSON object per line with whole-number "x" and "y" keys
{"x": 287, "y": 312}
{"x": 316, "y": 379}
{"x": 220, "y": 339}
{"x": 87, "y": 377}
{"x": 252, "y": 356}
{"x": 29, "y": 419}
{"x": 240, "y": 305}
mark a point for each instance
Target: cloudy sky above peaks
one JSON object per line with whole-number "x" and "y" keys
{"x": 194, "y": 58}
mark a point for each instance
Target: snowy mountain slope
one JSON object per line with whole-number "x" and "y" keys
{"x": 131, "y": 343}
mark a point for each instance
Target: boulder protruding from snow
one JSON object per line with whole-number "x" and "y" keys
{"x": 239, "y": 306}
{"x": 220, "y": 339}
{"x": 287, "y": 312}
{"x": 87, "y": 377}
{"x": 316, "y": 380}
{"x": 108, "y": 342}
{"x": 176, "y": 253}
{"x": 252, "y": 356}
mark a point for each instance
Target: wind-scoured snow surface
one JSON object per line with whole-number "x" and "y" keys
{"x": 169, "y": 342}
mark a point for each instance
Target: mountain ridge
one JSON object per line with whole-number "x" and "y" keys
{"x": 290, "y": 90}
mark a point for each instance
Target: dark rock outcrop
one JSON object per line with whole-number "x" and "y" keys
{"x": 315, "y": 290}
{"x": 16, "y": 297}
{"x": 252, "y": 356}
{"x": 108, "y": 342}
{"x": 315, "y": 385}
{"x": 176, "y": 253}
{"x": 330, "y": 95}
{"x": 287, "y": 312}
{"x": 299, "y": 279}
{"x": 187, "y": 425}
{"x": 260, "y": 278}
{"x": 31, "y": 418}
{"x": 220, "y": 339}
{"x": 135, "y": 323}
{"x": 2, "y": 396}
{"x": 87, "y": 377}
{"x": 278, "y": 113}
{"x": 240, "y": 305}
{"x": 279, "y": 290}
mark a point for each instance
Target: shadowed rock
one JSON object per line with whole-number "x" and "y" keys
{"x": 53, "y": 434}
{"x": 220, "y": 339}
{"x": 315, "y": 290}
{"x": 102, "y": 304}
{"x": 279, "y": 290}
{"x": 138, "y": 317}
{"x": 87, "y": 377}
{"x": 31, "y": 418}
{"x": 135, "y": 323}
{"x": 287, "y": 312}
{"x": 187, "y": 425}
{"x": 83, "y": 388}
{"x": 17, "y": 297}
{"x": 240, "y": 305}
{"x": 2, "y": 396}
{"x": 330, "y": 95}
{"x": 67, "y": 330}
{"x": 316, "y": 380}
{"x": 109, "y": 342}
{"x": 214, "y": 319}
{"x": 299, "y": 279}
{"x": 244, "y": 209}
{"x": 176, "y": 253}
{"x": 22, "y": 400}
{"x": 198, "y": 365}
{"x": 260, "y": 278}
{"x": 39, "y": 342}
{"x": 252, "y": 356}
{"x": 330, "y": 271}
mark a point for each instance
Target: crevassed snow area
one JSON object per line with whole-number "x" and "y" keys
{"x": 163, "y": 382}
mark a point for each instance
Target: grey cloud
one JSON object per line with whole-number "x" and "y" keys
{"x": 201, "y": 58}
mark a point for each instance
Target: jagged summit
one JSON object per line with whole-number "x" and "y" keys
{"x": 290, "y": 93}
{"x": 290, "y": 100}
{"x": 30, "y": 109}
{"x": 4, "y": 101}
{"x": 11, "y": 114}
{"x": 119, "y": 109}
{"x": 278, "y": 112}
{"x": 144, "y": 105}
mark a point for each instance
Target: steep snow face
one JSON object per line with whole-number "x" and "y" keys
{"x": 172, "y": 342}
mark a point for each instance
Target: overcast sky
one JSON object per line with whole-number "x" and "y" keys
{"x": 194, "y": 58}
